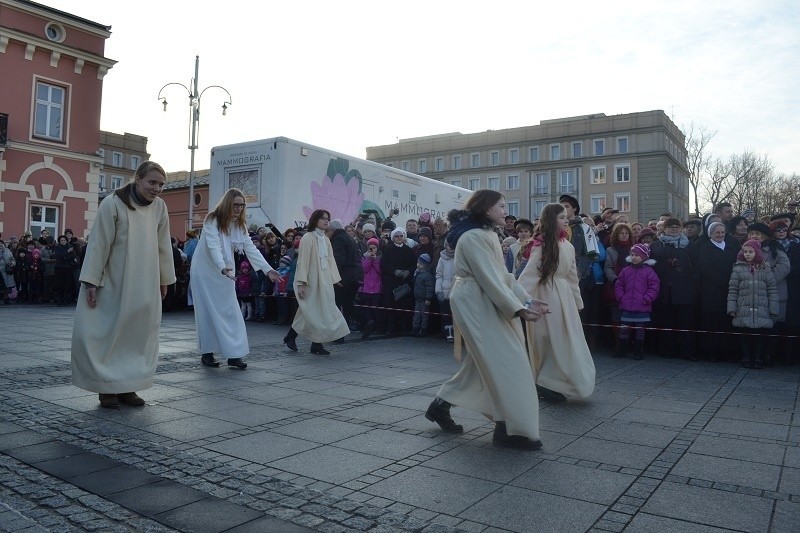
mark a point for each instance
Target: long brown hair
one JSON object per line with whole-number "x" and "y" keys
{"x": 549, "y": 234}
{"x": 224, "y": 209}
{"x": 124, "y": 193}
{"x": 480, "y": 202}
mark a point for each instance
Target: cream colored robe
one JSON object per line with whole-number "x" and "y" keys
{"x": 128, "y": 258}
{"x": 560, "y": 357}
{"x": 317, "y": 317}
{"x": 496, "y": 377}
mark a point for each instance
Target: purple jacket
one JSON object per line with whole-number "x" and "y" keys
{"x": 637, "y": 287}
{"x": 372, "y": 275}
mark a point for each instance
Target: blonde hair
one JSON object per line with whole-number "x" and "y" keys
{"x": 224, "y": 209}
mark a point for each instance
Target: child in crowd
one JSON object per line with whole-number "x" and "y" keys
{"x": 519, "y": 252}
{"x": 445, "y": 273}
{"x": 371, "y": 289}
{"x": 424, "y": 285}
{"x": 636, "y": 289}
{"x": 245, "y": 282}
{"x": 752, "y": 301}
{"x": 279, "y": 289}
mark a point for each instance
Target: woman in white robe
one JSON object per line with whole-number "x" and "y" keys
{"x": 125, "y": 274}
{"x": 217, "y": 315}
{"x": 560, "y": 357}
{"x": 317, "y": 316}
{"x": 495, "y": 378}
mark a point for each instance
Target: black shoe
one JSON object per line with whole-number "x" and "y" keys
{"x": 319, "y": 349}
{"x": 517, "y": 442}
{"x": 238, "y": 363}
{"x": 549, "y": 395}
{"x": 290, "y": 343}
{"x": 368, "y": 329}
{"x": 208, "y": 360}
{"x": 439, "y": 412}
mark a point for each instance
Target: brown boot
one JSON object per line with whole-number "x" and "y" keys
{"x": 109, "y": 401}
{"x": 131, "y": 398}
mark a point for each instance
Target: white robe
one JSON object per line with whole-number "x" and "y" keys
{"x": 496, "y": 377}
{"x": 560, "y": 357}
{"x": 317, "y": 318}
{"x": 217, "y": 315}
{"x": 128, "y": 258}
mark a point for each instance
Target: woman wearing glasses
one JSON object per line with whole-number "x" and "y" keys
{"x": 218, "y": 317}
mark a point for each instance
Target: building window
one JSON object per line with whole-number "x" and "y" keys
{"x": 555, "y": 152}
{"x": 597, "y": 203}
{"x": 422, "y": 166}
{"x": 50, "y": 112}
{"x": 513, "y": 208}
{"x": 135, "y": 162}
{"x": 412, "y": 197}
{"x": 43, "y": 217}
{"x": 513, "y": 156}
{"x": 599, "y": 147}
{"x": 457, "y": 162}
{"x": 512, "y": 182}
{"x": 494, "y": 158}
{"x": 622, "y": 202}
{"x": 116, "y": 182}
{"x": 116, "y": 159}
{"x": 475, "y": 160}
{"x": 101, "y": 152}
{"x": 541, "y": 183}
{"x": 474, "y": 184}
{"x": 55, "y": 32}
{"x": 566, "y": 181}
{"x": 395, "y": 194}
{"x": 622, "y": 145}
{"x": 101, "y": 183}
{"x": 493, "y": 183}
{"x": 406, "y": 165}
{"x": 669, "y": 175}
{"x": 622, "y": 173}
{"x": 598, "y": 175}
{"x": 577, "y": 149}
{"x": 456, "y": 182}
{"x": 533, "y": 154}
{"x": 438, "y": 164}
{"x": 538, "y": 207}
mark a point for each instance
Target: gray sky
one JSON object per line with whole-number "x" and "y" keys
{"x": 349, "y": 74}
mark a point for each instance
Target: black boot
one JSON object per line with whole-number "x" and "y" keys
{"x": 319, "y": 349}
{"x": 518, "y": 442}
{"x": 208, "y": 360}
{"x": 238, "y": 363}
{"x": 550, "y": 395}
{"x": 289, "y": 340}
{"x": 745, "y": 351}
{"x": 439, "y": 412}
{"x": 758, "y": 361}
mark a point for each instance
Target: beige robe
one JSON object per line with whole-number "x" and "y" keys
{"x": 128, "y": 258}
{"x": 560, "y": 357}
{"x": 495, "y": 377}
{"x": 317, "y": 318}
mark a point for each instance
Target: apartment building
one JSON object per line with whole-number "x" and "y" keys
{"x": 634, "y": 162}
{"x": 122, "y": 154}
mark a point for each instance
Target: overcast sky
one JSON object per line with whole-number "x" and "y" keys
{"x": 346, "y": 75}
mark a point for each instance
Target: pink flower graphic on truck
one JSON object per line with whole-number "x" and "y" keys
{"x": 339, "y": 195}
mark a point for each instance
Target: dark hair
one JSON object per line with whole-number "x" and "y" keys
{"x": 693, "y": 222}
{"x": 549, "y": 233}
{"x": 124, "y": 193}
{"x": 313, "y": 220}
{"x": 480, "y": 202}
{"x": 571, "y": 200}
{"x": 735, "y": 222}
{"x": 720, "y": 206}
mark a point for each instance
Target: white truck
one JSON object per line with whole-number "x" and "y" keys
{"x": 284, "y": 181}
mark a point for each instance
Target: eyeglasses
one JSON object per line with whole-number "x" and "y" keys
{"x": 239, "y": 205}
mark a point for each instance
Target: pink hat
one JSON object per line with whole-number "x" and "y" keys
{"x": 373, "y": 241}
{"x": 756, "y": 246}
{"x": 244, "y": 264}
{"x": 642, "y": 250}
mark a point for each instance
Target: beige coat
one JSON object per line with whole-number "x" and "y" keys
{"x": 559, "y": 354}
{"x": 129, "y": 256}
{"x": 495, "y": 378}
{"x": 317, "y": 317}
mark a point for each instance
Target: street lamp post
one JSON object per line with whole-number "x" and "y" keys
{"x": 194, "y": 116}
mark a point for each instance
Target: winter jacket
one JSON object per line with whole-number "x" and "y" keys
{"x": 245, "y": 283}
{"x": 712, "y": 268}
{"x": 676, "y": 273}
{"x": 753, "y": 296}
{"x": 424, "y": 284}
{"x": 637, "y": 287}
{"x": 347, "y": 256}
{"x": 598, "y": 265}
{"x": 779, "y": 263}
{"x": 445, "y": 271}
{"x": 614, "y": 263}
{"x": 397, "y": 258}
{"x": 372, "y": 274}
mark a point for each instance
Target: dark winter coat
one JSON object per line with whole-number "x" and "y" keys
{"x": 675, "y": 271}
{"x": 424, "y": 284}
{"x": 397, "y": 258}
{"x": 347, "y": 257}
{"x": 637, "y": 287}
{"x": 753, "y": 296}
{"x": 779, "y": 263}
{"x": 712, "y": 268}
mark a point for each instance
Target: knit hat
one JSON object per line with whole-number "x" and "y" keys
{"x": 388, "y": 224}
{"x": 761, "y": 228}
{"x": 644, "y": 233}
{"x": 425, "y": 230}
{"x": 755, "y": 245}
{"x": 398, "y": 231}
{"x": 244, "y": 264}
{"x": 642, "y": 250}
{"x": 713, "y": 226}
{"x": 373, "y": 242}
{"x": 285, "y": 261}
{"x": 425, "y": 259}
{"x": 747, "y": 213}
{"x": 368, "y": 227}
{"x": 425, "y": 218}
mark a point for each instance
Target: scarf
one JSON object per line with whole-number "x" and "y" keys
{"x": 322, "y": 248}
{"x": 459, "y": 228}
{"x": 679, "y": 241}
{"x": 138, "y": 199}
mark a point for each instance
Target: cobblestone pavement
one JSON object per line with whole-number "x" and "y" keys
{"x": 299, "y": 442}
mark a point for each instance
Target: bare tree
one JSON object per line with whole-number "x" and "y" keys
{"x": 750, "y": 182}
{"x": 697, "y": 157}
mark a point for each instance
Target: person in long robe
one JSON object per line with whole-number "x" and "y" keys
{"x": 217, "y": 315}
{"x": 317, "y": 316}
{"x": 560, "y": 357}
{"x": 125, "y": 274}
{"x": 495, "y": 378}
